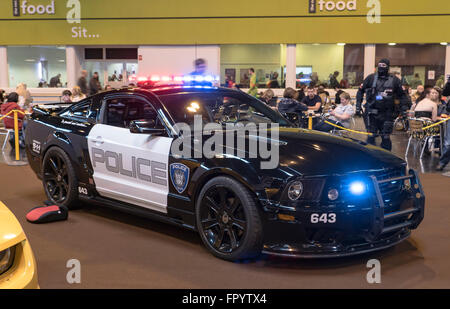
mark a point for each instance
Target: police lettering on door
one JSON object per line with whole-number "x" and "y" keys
{"x": 142, "y": 169}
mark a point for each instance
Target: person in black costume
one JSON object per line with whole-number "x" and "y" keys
{"x": 381, "y": 89}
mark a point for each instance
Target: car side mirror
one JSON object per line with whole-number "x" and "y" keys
{"x": 146, "y": 127}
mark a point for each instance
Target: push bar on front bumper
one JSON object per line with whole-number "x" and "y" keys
{"x": 418, "y": 210}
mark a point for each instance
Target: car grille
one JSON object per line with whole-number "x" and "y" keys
{"x": 391, "y": 191}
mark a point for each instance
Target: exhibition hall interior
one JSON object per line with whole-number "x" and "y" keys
{"x": 197, "y": 145}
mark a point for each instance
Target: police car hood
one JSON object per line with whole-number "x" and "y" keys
{"x": 315, "y": 153}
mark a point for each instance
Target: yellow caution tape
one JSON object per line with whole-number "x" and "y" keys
{"x": 342, "y": 128}
{"x": 436, "y": 124}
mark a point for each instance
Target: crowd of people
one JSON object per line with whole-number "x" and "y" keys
{"x": 389, "y": 100}
{"x": 313, "y": 100}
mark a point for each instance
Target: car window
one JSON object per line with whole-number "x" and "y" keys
{"x": 219, "y": 108}
{"x": 121, "y": 111}
{"x": 80, "y": 110}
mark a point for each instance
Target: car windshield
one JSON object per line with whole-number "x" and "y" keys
{"x": 220, "y": 108}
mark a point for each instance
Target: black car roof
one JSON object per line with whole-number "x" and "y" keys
{"x": 161, "y": 91}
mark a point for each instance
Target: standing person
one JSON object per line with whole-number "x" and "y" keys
{"x": 446, "y": 91}
{"x": 229, "y": 81}
{"x": 312, "y": 100}
{"x": 200, "y": 67}
{"x": 94, "y": 84}
{"x": 82, "y": 82}
{"x": 77, "y": 95}
{"x": 55, "y": 81}
{"x": 11, "y": 104}
{"x": 273, "y": 83}
{"x": 381, "y": 90}
{"x": 440, "y": 82}
{"x": 334, "y": 81}
{"x": 344, "y": 84}
{"x": 253, "y": 91}
{"x": 314, "y": 79}
{"x": 445, "y": 158}
{"x": 416, "y": 81}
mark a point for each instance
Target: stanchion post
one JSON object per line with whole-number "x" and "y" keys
{"x": 310, "y": 122}
{"x": 16, "y": 134}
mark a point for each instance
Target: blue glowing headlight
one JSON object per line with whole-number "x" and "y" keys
{"x": 357, "y": 187}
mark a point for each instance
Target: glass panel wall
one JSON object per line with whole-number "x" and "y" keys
{"x": 333, "y": 65}
{"x": 37, "y": 66}
{"x": 268, "y": 61}
{"x": 415, "y": 64}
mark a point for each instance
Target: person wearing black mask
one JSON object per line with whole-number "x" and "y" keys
{"x": 381, "y": 90}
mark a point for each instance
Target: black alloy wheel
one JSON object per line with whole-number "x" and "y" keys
{"x": 58, "y": 178}
{"x": 228, "y": 220}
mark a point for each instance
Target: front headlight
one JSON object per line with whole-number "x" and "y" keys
{"x": 295, "y": 190}
{"x": 6, "y": 259}
{"x": 357, "y": 188}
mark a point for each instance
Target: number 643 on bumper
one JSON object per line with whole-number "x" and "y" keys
{"x": 327, "y": 218}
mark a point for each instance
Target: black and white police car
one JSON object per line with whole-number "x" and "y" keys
{"x": 327, "y": 197}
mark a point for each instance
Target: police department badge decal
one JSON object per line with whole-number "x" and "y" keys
{"x": 179, "y": 174}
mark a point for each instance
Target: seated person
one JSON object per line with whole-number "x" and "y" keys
{"x": 269, "y": 98}
{"x": 289, "y": 103}
{"x": 12, "y": 104}
{"x": 426, "y": 108}
{"x": 312, "y": 100}
{"x": 340, "y": 116}
{"x": 66, "y": 96}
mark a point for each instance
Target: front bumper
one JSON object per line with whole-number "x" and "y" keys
{"x": 23, "y": 273}
{"x": 357, "y": 230}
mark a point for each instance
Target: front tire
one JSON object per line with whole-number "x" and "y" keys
{"x": 228, "y": 220}
{"x": 58, "y": 178}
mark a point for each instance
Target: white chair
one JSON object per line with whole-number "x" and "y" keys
{"x": 7, "y": 133}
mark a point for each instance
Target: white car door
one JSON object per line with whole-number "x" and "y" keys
{"x": 130, "y": 167}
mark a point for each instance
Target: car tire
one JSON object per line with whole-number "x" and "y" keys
{"x": 232, "y": 215}
{"x": 58, "y": 178}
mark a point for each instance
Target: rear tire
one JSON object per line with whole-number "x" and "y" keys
{"x": 58, "y": 178}
{"x": 228, "y": 220}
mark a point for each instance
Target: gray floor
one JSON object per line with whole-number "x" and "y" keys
{"x": 117, "y": 250}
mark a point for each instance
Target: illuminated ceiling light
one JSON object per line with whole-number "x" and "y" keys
{"x": 341, "y": 44}
{"x": 444, "y": 43}
{"x": 392, "y": 44}
{"x": 30, "y": 60}
{"x": 317, "y": 44}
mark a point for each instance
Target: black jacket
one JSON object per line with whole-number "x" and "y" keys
{"x": 291, "y": 106}
{"x": 94, "y": 86}
{"x": 82, "y": 83}
{"x": 389, "y": 87}
{"x": 446, "y": 91}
